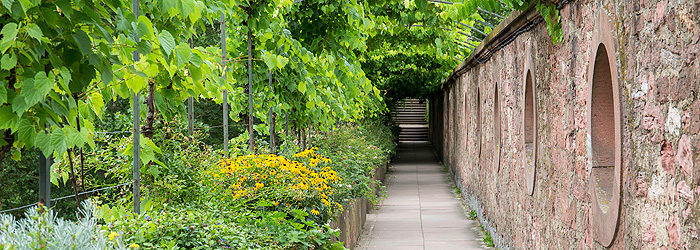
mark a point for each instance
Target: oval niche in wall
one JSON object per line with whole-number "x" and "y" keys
{"x": 604, "y": 143}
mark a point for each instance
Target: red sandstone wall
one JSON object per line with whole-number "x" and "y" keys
{"x": 655, "y": 50}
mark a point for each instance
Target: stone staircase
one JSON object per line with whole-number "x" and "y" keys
{"x": 409, "y": 114}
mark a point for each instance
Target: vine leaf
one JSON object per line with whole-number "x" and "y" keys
{"x": 7, "y": 123}
{"x": 75, "y": 138}
{"x": 3, "y": 93}
{"x": 8, "y": 5}
{"x": 182, "y": 54}
{"x": 97, "y": 102}
{"x": 136, "y": 82}
{"x": 43, "y": 142}
{"x": 302, "y": 87}
{"x": 143, "y": 47}
{"x": 8, "y": 61}
{"x": 281, "y": 62}
{"x": 34, "y": 31}
{"x": 26, "y": 130}
{"x": 33, "y": 91}
{"x": 83, "y": 42}
{"x": 58, "y": 141}
{"x": 187, "y": 7}
{"x": 422, "y": 5}
{"x": 166, "y": 41}
{"x": 9, "y": 33}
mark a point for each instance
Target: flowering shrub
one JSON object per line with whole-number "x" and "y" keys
{"x": 356, "y": 150}
{"x": 305, "y": 181}
{"x": 198, "y": 201}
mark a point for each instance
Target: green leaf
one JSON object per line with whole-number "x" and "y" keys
{"x": 106, "y": 75}
{"x": 281, "y": 62}
{"x": 58, "y": 141}
{"x": 182, "y": 54}
{"x": 196, "y": 59}
{"x": 43, "y": 83}
{"x": 26, "y": 130}
{"x": 8, "y": 61}
{"x": 141, "y": 30}
{"x": 268, "y": 59}
{"x": 34, "y": 31}
{"x": 9, "y": 33}
{"x": 74, "y": 137}
{"x": 166, "y": 41}
{"x": 97, "y": 102}
{"x": 43, "y": 142}
{"x": 84, "y": 43}
{"x": 135, "y": 82}
{"x": 19, "y": 106}
{"x": 28, "y": 4}
{"x": 143, "y": 47}
{"x": 3, "y": 93}
{"x": 65, "y": 7}
{"x": 8, "y": 5}
{"x": 302, "y": 87}
{"x": 16, "y": 155}
{"x": 186, "y": 7}
{"x": 9, "y": 119}
{"x": 422, "y": 5}
{"x": 65, "y": 74}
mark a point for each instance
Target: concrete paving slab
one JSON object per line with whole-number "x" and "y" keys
{"x": 420, "y": 210}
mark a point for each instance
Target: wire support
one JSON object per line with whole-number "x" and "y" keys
{"x": 92, "y": 191}
{"x": 18, "y": 208}
{"x": 66, "y": 197}
{"x": 490, "y": 13}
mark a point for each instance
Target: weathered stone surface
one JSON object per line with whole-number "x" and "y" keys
{"x": 667, "y": 157}
{"x": 641, "y": 186}
{"x": 674, "y": 232}
{"x": 649, "y": 234}
{"x": 696, "y": 173}
{"x": 695, "y": 118}
{"x": 653, "y": 118}
{"x": 684, "y": 156}
{"x": 685, "y": 192}
{"x": 655, "y": 52}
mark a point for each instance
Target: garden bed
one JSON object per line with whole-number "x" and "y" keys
{"x": 299, "y": 199}
{"x": 353, "y": 219}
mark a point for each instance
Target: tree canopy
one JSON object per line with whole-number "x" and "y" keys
{"x": 329, "y": 60}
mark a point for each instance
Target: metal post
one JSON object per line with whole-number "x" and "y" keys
{"x": 251, "y": 135}
{"x": 190, "y": 109}
{"x": 190, "y": 115}
{"x": 45, "y": 180}
{"x": 223, "y": 68}
{"x": 286, "y": 122}
{"x": 137, "y": 134}
{"x": 272, "y": 117}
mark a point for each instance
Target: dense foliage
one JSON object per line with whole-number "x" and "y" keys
{"x": 203, "y": 201}
{"x": 70, "y": 72}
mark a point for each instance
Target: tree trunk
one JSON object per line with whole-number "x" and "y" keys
{"x": 147, "y": 128}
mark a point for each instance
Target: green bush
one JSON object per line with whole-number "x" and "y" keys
{"x": 44, "y": 230}
{"x": 190, "y": 200}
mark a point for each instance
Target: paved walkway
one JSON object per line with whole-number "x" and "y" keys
{"x": 420, "y": 210}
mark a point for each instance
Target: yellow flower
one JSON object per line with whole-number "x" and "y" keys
{"x": 134, "y": 245}
{"x": 315, "y": 212}
{"x": 112, "y": 235}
